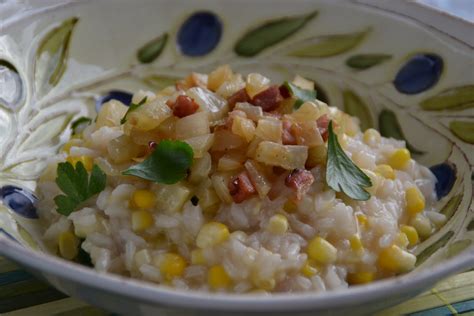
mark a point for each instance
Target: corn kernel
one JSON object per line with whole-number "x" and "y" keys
{"x": 402, "y": 240}
{"x": 171, "y": 265}
{"x": 197, "y": 257}
{"x": 396, "y": 260}
{"x": 68, "y": 145}
{"x": 217, "y": 277}
{"x": 141, "y": 220}
{"x": 87, "y": 161}
{"x": 143, "y": 199}
{"x": 68, "y": 245}
{"x": 362, "y": 220}
{"x": 218, "y": 77}
{"x": 411, "y": 233}
{"x": 142, "y": 257}
{"x": 399, "y": 158}
{"x": 211, "y": 234}
{"x": 322, "y": 251}
{"x": 385, "y": 171}
{"x": 310, "y": 268}
{"x": 415, "y": 200}
{"x": 371, "y": 137}
{"x": 290, "y": 206}
{"x": 422, "y": 225}
{"x": 360, "y": 277}
{"x": 356, "y": 243}
{"x": 278, "y": 224}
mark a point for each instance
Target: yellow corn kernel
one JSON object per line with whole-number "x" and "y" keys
{"x": 322, "y": 251}
{"x": 141, "y": 220}
{"x": 360, "y": 277}
{"x": 402, "y": 240}
{"x": 371, "y": 137}
{"x": 217, "y": 278}
{"x": 415, "y": 200}
{"x": 171, "y": 265}
{"x": 362, "y": 220}
{"x": 218, "y": 77}
{"x": 87, "y": 161}
{"x": 197, "y": 257}
{"x": 290, "y": 206}
{"x": 385, "y": 171}
{"x": 395, "y": 259}
{"x": 399, "y": 158}
{"x": 142, "y": 257}
{"x": 68, "y": 245}
{"x": 68, "y": 145}
{"x": 143, "y": 199}
{"x": 411, "y": 233}
{"x": 422, "y": 225}
{"x": 278, "y": 224}
{"x": 356, "y": 243}
{"x": 211, "y": 234}
{"x": 310, "y": 268}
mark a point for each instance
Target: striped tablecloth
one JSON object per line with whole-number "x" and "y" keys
{"x": 23, "y": 295}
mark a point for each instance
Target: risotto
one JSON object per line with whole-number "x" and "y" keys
{"x": 229, "y": 183}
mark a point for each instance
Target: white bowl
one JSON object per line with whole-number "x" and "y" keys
{"x": 105, "y": 45}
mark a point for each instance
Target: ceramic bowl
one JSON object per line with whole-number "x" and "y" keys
{"x": 398, "y": 66}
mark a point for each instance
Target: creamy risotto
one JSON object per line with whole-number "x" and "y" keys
{"x": 231, "y": 183}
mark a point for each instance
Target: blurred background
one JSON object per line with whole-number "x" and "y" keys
{"x": 461, "y": 8}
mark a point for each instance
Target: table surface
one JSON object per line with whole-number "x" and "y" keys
{"x": 23, "y": 295}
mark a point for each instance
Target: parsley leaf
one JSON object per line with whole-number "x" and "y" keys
{"x": 301, "y": 95}
{"x": 167, "y": 164}
{"x": 342, "y": 174}
{"x": 132, "y": 107}
{"x": 77, "y": 185}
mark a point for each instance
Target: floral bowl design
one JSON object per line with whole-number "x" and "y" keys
{"x": 402, "y": 68}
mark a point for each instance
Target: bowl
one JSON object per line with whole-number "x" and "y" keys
{"x": 401, "y": 67}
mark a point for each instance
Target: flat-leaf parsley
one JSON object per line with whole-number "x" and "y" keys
{"x": 77, "y": 185}
{"x": 132, "y": 107}
{"x": 342, "y": 174}
{"x": 168, "y": 163}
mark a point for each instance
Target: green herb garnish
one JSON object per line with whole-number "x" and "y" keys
{"x": 301, "y": 95}
{"x": 77, "y": 185}
{"x": 78, "y": 125}
{"x": 132, "y": 107}
{"x": 167, "y": 164}
{"x": 342, "y": 174}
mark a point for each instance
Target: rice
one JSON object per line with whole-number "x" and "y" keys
{"x": 256, "y": 194}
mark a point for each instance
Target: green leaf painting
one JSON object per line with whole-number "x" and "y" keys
{"x": 353, "y": 105}
{"x": 431, "y": 249}
{"x": 270, "y": 33}
{"x": 366, "y": 61}
{"x": 151, "y": 50}
{"x": 390, "y": 127}
{"x": 464, "y": 130}
{"x": 459, "y": 98}
{"x": 331, "y": 45}
{"x": 52, "y": 55}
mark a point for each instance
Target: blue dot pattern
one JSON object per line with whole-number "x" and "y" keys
{"x": 199, "y": 34}
{"x": 445, "y": 173}
{"x": 20, "y": 201}
{"x": 122, "y": 96}
{"x": 420, "y": 73}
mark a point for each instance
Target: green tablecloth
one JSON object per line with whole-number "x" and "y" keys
{"x": 23, "y": 295}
